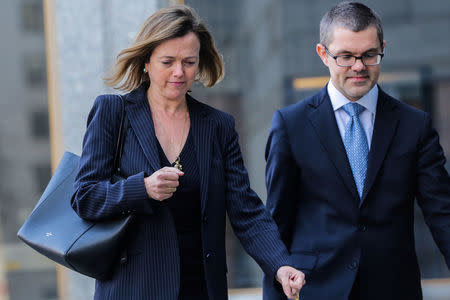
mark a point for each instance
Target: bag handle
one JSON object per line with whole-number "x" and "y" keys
{"x": 121, "y": 138}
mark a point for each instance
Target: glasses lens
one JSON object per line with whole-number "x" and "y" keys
{"x": 371, "y": 60}
{"x": 345, "y": 60}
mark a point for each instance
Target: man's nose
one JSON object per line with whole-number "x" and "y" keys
{"x": 359, "y": 65}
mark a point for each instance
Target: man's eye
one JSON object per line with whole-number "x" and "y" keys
{"x": 369, "y": 55}
{"x": 347, "y": 57}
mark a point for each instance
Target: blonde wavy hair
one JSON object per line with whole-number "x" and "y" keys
{"x": 165, "y": 24}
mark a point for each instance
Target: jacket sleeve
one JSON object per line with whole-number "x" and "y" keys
{"x": 95, "y": 197}
{"x": 250, "y": 220}
{"x": 282, "y": 179}
{"x": 433, "y": 188}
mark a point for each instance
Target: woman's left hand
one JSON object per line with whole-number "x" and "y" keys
{"x": 292, "y": 281}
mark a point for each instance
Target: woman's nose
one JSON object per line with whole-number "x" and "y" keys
{"x": 178, "y": 71}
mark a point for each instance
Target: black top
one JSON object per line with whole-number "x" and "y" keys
{"x": 186, "y": 211}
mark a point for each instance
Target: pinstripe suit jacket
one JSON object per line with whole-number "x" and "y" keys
{"x": 152, "y": 270}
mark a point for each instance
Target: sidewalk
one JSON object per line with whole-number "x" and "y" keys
{"x": 438, "y": 289}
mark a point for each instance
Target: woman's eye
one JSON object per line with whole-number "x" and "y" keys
{"x": 165, "y": 62}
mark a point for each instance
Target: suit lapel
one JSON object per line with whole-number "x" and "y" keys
{"x": 386, "y": 122}
{"x": 202, "y": 129}
{"x": 140, "y": 117}
{"x": 324, "y": 122}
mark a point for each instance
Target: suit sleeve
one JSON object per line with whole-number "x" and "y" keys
{"x": 95, "y": 197}
{"x": 281, "y": 179}
{"x": 250, "y": 220}
{"x": 433, "y": 188}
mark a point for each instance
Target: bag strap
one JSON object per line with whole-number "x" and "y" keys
{"x": 121, "y": 138}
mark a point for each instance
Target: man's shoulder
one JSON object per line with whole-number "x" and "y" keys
{"x": 304, "y": 105}
{"x": 401, "y": 107}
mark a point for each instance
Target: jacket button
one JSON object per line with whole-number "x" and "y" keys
{"x": 362, "y": 227}
{"x": 205, "y": 219}
{"x": 353, "y": 265}
{"x": 208, "y": 255}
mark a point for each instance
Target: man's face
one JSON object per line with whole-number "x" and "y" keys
{"x": 355, "y": 81}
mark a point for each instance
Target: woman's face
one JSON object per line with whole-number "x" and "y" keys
{"x": 173, "y": 66}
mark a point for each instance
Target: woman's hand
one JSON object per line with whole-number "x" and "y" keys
{"x": 292, "y": 281}
{"x": 163, "y": 183}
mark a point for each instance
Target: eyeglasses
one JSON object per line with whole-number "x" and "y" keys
{"x": 347, "y": 60}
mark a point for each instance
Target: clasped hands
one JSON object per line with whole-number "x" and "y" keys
{"x": 292, "y": 281}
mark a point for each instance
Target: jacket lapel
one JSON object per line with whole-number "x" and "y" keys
{"x": 324, "y": 122}
{"x": 386, "y": 122}
{"x": 138, "y": 111}
{"x": 202, "y": 129}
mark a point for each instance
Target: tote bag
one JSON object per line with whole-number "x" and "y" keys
{"x": 56, "y": 231}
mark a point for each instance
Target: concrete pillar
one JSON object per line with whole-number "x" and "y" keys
{"x": 82, "y": 40}
{"x": 3, "y": 281}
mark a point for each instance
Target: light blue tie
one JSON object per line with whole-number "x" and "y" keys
{"x": 355, "y": 142}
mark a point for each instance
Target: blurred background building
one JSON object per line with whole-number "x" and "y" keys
{"x": 269, "y": 51}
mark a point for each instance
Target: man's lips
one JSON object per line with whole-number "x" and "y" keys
{"x": 358, "y": 78}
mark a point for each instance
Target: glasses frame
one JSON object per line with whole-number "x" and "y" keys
{"x": 381, "y": 55}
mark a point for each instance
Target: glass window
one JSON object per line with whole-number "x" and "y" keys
{"x": 35, "y": 69}
{"x": 32, "y": 16}
{"x": 42, "y": 174}
{"x": 39, "y": 124}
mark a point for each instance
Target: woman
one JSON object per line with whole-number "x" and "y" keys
{"x": 183, "y": 170}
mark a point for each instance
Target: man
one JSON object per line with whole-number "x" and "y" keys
{"x": 343, "y": 169}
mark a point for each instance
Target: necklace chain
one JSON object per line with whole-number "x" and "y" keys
{"x": 177, "y": 162}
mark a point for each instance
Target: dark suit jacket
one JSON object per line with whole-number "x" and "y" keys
{"x": 328, "y": 229}
{"x": 152, "y": 270}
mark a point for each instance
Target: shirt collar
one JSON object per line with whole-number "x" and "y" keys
{"x": 369, "y": 100}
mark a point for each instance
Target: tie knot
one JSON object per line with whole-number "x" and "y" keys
{"x": 353, "y": 109}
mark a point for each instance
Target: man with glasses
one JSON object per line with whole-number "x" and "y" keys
{"x": 344, "y": 168}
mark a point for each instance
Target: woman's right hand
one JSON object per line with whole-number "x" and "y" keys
{"x": 163, "y": 183}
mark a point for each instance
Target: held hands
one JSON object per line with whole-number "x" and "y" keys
{"x": 292, "y": 280}
{"x": 163, "y": 183}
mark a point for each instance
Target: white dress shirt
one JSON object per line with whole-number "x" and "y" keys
{"x": 367, "y": 116}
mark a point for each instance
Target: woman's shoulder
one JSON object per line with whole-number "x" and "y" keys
{"x": 210, "y": 112}
{"x": 108, "y": 100}
{"x": 106, "y": 107}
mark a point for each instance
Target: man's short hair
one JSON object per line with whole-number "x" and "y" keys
{"x": 354, "y": 16}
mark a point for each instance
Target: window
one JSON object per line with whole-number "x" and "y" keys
{"x": 34, "y": 69}
{"x": 42, "y": 174}
{"x": 32, "y": 16}
{"x": 39, "y": 124}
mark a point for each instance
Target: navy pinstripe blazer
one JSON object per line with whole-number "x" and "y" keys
{"x": 152, "y": 270}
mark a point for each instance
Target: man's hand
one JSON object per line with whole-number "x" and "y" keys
{"x": 292, "y": 280}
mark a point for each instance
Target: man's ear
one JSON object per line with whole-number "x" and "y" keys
{"x": 384, "y": 46}
{"x": 320, "y": 49}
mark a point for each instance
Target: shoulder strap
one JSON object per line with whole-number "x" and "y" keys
{"x": 120, "y": 140}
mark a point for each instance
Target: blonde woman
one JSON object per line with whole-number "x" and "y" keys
{"x": 183, "y": 170}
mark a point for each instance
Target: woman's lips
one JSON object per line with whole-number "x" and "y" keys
{"x": 176, "y": 84}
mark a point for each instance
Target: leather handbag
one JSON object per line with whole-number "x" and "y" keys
{"x": 56, "y": 231}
